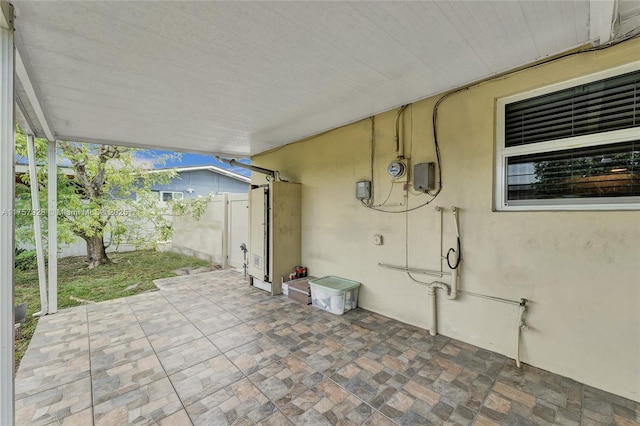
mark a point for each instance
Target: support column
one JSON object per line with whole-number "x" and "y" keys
{"x": 53, "y": 228}
{"x": 37, "y": 225}
{"x": 7, "y": 206}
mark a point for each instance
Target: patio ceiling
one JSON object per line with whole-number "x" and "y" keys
{"x": 239, "y": 78}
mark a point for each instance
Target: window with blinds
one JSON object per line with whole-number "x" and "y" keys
{"x": 571, "y": 146}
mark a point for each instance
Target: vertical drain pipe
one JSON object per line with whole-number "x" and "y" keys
{"x": 451, "y": 293}
{"x": 433, "y": 330}
{"x": 521, "y": 327}
{"x": 452, "y": 290}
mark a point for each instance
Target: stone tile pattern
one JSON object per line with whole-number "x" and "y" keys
{"x": 209, "y": 349}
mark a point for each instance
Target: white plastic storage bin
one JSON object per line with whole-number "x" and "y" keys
{"x": 334, "y": 294}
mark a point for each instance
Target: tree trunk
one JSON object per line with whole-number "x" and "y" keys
{"x": 96, "y": 253}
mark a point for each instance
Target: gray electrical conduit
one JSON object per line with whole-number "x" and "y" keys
{"x": 271, "y": 174}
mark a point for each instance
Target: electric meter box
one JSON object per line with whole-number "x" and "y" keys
{"x": 424, "y": 176}
{"x": 363, "y": 190}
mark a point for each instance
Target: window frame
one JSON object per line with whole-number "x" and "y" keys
{"x": 502, "y": 153}
{"x": 172, "y": 196}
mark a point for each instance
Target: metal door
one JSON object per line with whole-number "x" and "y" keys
{"x": 238, "y": 226}
{"x": 259, "y": 233}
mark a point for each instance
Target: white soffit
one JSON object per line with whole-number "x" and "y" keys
{"x": 239, "y": 78}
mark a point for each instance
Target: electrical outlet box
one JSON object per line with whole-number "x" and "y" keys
{"x": 424, "y": 176}
{"x": 363, "y": 190}
{"x": 377, "y": 240}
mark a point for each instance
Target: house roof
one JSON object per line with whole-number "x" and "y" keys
{"x": 240, "y": 78}
{"x": 24, "y": 168}
{"x": 21, "y": 168}
{"x": 212, "y": 169}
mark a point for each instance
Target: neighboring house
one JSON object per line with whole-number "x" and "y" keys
{"x": 192, "y": 182}
{"x": 23, "y": 169}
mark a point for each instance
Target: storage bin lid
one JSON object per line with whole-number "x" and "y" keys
{"x": 335, "y": 283}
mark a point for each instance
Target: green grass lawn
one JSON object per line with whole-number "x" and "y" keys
{"x": 103, "y": 283}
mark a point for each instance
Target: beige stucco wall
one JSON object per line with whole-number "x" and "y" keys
{"x": 217, "y": 235}
{"x": 202, "y": 238}
{"x": 580, "y": 270}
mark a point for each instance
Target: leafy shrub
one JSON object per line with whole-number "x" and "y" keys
{"x": 25, "y": 259}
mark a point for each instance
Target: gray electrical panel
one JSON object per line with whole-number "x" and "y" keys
{"x": 274, "y": 239}
{"x": 363, "y": 190}
{"x": 424, "y": 176}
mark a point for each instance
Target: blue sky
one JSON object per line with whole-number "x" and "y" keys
{"x": 175, "y": 160}
{"x": 188, "y": 160}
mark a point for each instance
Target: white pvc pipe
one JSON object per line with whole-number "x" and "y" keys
{"x": 433, "y": 330}
{"x": 454, "y": 273}
{"x": 451, "y": 290}
{"x": 455, "y": 218}
{"x": 452, "y": 293}
{"x": 521, "y": 326}
{"x": 434, "y": 308}
{"x": 431, "y": 272}
{"x": 37, "y": 226}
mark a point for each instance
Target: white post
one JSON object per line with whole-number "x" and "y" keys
{"x": 7, "y": 206}
{"x": 53, "y": 228}
{"x": 37, "y": 225}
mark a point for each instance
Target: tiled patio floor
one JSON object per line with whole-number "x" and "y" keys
{"x": 210, "y": 350}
